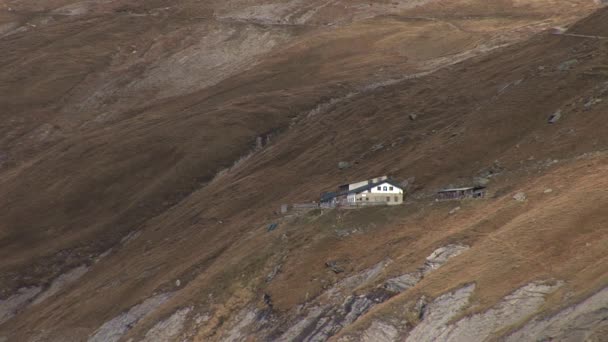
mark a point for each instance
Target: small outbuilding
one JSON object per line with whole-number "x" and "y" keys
{"x": 461, "y": 193}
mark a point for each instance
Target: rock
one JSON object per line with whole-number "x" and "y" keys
{"x": 272, "y": 227}
{"x": 12, "y": 305}
{"x": 241, "y": 322}
{"x": 437, "y": 259}
{"x": 567, "y": 65}
{"x": 380, "y": 332}
{"x": 420, "y": 307}
{"x": 169, "y": 329}
{"x": 60, "y": 282}
{"x": 558, "y": 30}
{"x": 438, "y": 314}
{"x": 553, "y": 118}
{"x": 284, "y": 208}
{"x": 592, "y": 102}
{"x": 520, "y": 197}
{"x": 548, "y": 191}
{"x": 481, "y": 181}
{"x": 333, "y": 265}
{"x": 273, "y": 273}
{"x": 585, "y": 321}
{"x": 267, "y": 300}
{"x": 377, "y": 147}
{"x": 437, "y": 326}
{"x": 114, "y": 329}
{"x": 454, "y": 211}
{"x": 178, "y": 283}
{"x": 403, "y": 283}
{"x": 358, "y": 306}
{"x": 441, "y": 255}
{"x": 413, "y": 117}
{"x": 344, "y": 165}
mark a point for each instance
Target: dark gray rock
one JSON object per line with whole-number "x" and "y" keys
{"x": 333, "y": 265}
{"x": 555, "y": 117}
{"x": 344, "y": 165}
{"x": 567, "y": 65}
{"x": 404, "y": 282}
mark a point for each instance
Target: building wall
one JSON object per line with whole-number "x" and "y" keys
{"x": 388, "y": 198}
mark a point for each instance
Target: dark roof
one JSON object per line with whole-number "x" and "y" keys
{"x": 373, "y": 185}
{"x": 328, "y": 196}
{"x": 474, "y": 188}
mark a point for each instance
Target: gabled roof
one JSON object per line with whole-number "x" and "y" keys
{"x": 373, "y": 185}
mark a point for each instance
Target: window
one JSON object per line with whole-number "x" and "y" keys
{"x": 367, "y": 199}
{"x": 391, "y": 188}
{"x": 388, "y": 199}
{"x": 396, "y": 198}
{"x": 379, "y": 188}
{"x": 385, "y": 188}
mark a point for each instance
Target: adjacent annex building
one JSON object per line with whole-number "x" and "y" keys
{"x": 461, "y": 193}
{"x": 376, "y": 191}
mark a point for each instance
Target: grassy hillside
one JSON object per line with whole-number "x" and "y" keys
{"x": 129, "y": 146}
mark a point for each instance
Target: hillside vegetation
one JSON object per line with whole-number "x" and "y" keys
{"x": 146, "y": 146}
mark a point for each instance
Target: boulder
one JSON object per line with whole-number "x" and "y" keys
{"x": 333, "y": 265}
{"x": 402, "y": 283}
{"x": 343, "y": 165}
{"x": 520, "y": 197}
{"x": 553, "y": 118}
{"x": 567, "y": 65}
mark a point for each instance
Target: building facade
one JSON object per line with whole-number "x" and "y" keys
{"x": 376, "y": 191}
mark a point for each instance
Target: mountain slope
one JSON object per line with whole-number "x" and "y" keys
{"x": 140, "y": 202}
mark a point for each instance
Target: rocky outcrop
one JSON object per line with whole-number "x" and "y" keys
{"x": 586, "y": 321}
{"x": 114, "y": 329}
{"x": 437, "y": 259}
{"x": 12, "y": 305}
{"x": 436, "y": 325}
{"x": 380, "y": 332}
{"x": 438, "y": 314}
{"x": 168, "y": 329}
{"x": 341, "y": 308}
{"x": 60, "y": 282}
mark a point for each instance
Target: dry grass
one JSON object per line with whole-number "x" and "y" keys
{"x": 151, "y": 167}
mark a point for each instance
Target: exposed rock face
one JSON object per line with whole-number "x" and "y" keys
{"x": 380, "y": 332}
{"x": 404, "y": 282}
{"x": 586, "y": 321}
{"x": 244, "y": 319}
{"x": 479, "y": 327}
{"x": 439, "y": 313}
{"x": 11, "y": 306}
{"x": 437, "y": 259}
{"x": 168, "y": 329}
{"x": 341, "y": 309}
{"x": 522, "y": 303}
{"x": 61, "y": 282}
{"x": 115, "y": 328}
{"x": 440, "y": 256}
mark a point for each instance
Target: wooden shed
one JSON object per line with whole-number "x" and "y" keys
{"x": 461, "y": 193}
